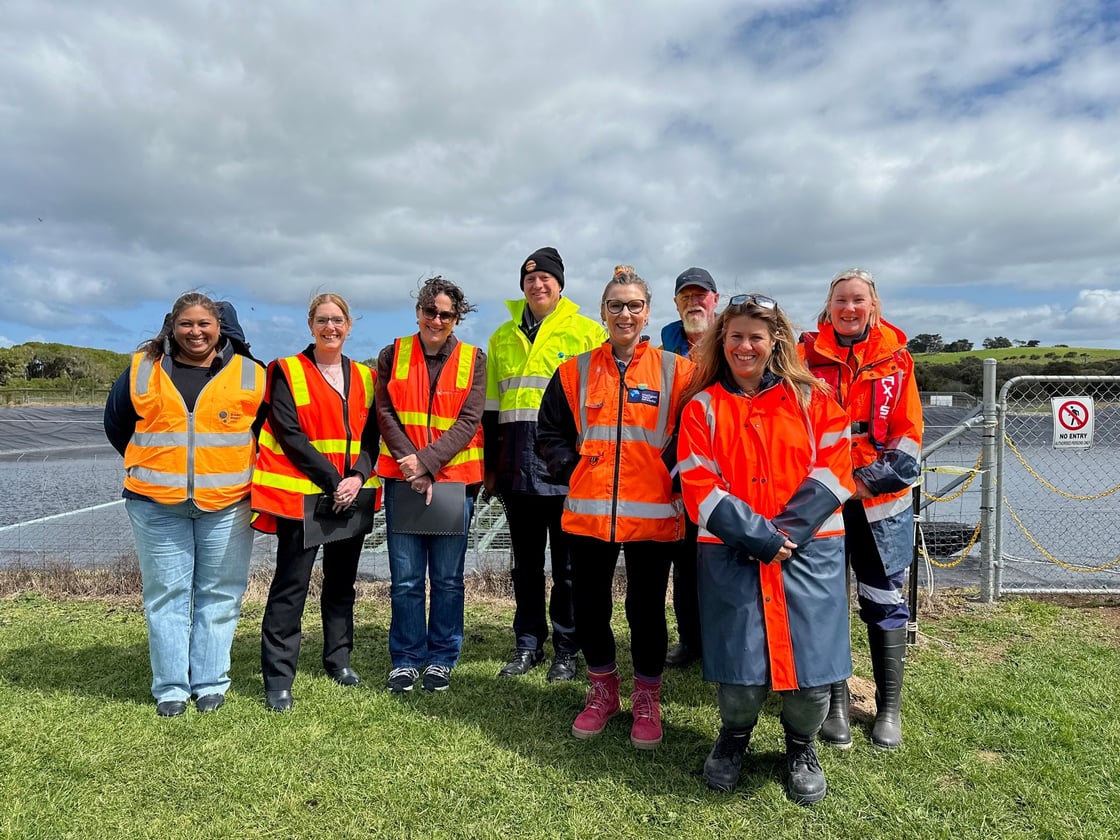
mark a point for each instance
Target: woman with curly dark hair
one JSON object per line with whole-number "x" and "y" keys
{"x": 431, "y": 390}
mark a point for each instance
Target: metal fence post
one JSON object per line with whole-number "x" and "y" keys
{"x": 989, "y": 488}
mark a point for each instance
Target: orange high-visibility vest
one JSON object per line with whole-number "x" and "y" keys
{"x": 621, "y": 489}
{"x": 425, "y": 413}
{"x": 205, "y": 455}
{"x": 333, "y": 426}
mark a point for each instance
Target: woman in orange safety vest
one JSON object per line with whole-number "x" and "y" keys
{"x": 606, "y": 428}
{"x": 431, "y": 392}
{"x": 318, "y": 441}
{"x": 185, "y": 415}
{"x": 765, "y": 466}
{"x": 865, "y": 361}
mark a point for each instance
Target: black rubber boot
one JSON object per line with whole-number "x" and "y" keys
{"x": 888, "y": 656}
{"x": 805, "y": 783}
{"x": 725, "y": 761}
{"x": 836, "y": 730}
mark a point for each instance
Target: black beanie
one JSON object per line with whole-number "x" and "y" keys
{"x": 543, "y": 259}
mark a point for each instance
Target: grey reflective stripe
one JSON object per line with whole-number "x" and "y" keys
{"x": 904, "y": 444}
{"x": 668, "y": 378}
{"x": 629, "y": 433}
{"x": 696, "y": 460}
{"x": 535, "y": 382}
{"x": 216, "y": 440}
{"x": 826, "y": 478}
{"x": 492, "y": 405}
{"x": 248, "y": 375}
{"x": 583, "y": 367}
{"x": 708, "y": 505}
{"x": 833, "y": 438}
{"x": 160, "y": 439}
{"x": 518, "y": 415}
{"x": 160, "y": 479}
{"x": 143, "y": 376}
{"x": 223, "y": 479}
{"x": 629, "y": 510}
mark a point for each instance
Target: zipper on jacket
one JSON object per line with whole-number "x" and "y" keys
{"x": 617, "y": 451}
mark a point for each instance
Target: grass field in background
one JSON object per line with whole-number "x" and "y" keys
{"x": 1011, "y": 726}
{"x": 1025, "y": 355}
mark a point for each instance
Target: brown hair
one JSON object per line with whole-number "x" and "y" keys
{"x": 328, "y": 297}
{"x": 434, "y": 287}
{"x": 784, "y": 362}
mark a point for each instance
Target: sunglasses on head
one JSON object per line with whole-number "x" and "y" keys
{"x": 761, "y": 301}
{"x": 431, "y": 313}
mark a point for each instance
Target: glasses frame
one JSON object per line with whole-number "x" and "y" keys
{"x": 431, "y": 313}
{"x": 615, "y": 307}
{"x": 761, "y": 301}
{"x": 333, "y": 320}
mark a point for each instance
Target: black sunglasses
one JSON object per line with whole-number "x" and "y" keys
{"x": 761, "y": 301}
{"x": 431, "y": 313}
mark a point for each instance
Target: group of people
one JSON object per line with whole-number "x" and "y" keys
{"x": 755, "y": 464}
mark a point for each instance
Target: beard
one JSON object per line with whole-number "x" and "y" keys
{"x": 696, "y": 323}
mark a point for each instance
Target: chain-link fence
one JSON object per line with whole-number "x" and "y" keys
{"x": 1058, "y": 524}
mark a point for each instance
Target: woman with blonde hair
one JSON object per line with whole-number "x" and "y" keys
{"x": 318, "y": 441}
{"x": 764, "y": 469}
{"x": 865, "y": 361}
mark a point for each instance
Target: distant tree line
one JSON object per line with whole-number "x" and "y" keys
{"x": 59, "y": 365}
{"x": 967, "y": 374}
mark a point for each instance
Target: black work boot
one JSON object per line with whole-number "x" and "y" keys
{"x": 725, "y": 761}
{"x": 836, "y": 729}
{"x": 888, "y": 655}
{"x": 805, "y": 784}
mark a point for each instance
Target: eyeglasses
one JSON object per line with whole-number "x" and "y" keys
{"x": 334, "y": 321}
{"x": 431, "y": 313}
{"x": 615, "y": 307}
{"x": 761, "y": 301}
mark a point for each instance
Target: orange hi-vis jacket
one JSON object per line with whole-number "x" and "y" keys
{"x": 333, "y": 426}
{"x": 426, "y": 412}
{"x": 754, "y": 472}
{"x": 874, "y": 382}
{"x": 205, "y": 455}
{"x": 622, "y": 489}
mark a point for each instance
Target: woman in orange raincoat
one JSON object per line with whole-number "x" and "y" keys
{"x": 765, "y": 466}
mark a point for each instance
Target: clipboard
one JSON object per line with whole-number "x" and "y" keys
{"x": 319, "y": 528}
{"x": 444, "y": 517}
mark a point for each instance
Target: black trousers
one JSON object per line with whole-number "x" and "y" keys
{"x": 533, "y": 521}
{"x": 647, "y": 579}
{"x": 686, "y": 598}
{"x": 281, "y": 630}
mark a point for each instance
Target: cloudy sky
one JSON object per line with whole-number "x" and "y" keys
{"x": 966, "y": 153}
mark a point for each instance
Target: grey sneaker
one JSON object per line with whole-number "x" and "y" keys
{"x": 436, "y": 678}
{"x": 402, "y": 680}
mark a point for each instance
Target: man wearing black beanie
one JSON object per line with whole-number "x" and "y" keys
{"x": 544, "y": 329}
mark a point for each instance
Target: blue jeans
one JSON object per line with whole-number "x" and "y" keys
{"x": 194, "y": 565}
{"x": 442, "y": 558}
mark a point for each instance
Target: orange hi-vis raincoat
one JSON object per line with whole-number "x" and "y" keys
{"x": 205, "y": 455}
{"x": 756, "y": 470}
{"x": 622, "y": 487}
{"x": 333, "y": 426}
{"x": 426, "y": 412}
{"x": 874, "y": 382}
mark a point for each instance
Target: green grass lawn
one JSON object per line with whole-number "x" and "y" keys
{"x": 1011, "y": 725}
{"x": 1037, "y": 355}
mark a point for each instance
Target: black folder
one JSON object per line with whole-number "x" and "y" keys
{"x": 445, "y": 516}
{"x": 321, "y": 526}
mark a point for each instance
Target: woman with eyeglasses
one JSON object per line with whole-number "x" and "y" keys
{"x": 318, "y": 440}
{"x": 764, "y": 469}
{"x": 431, "y": 391}
{"x": 865, "y": 361}
{"x": 606, "y": 428}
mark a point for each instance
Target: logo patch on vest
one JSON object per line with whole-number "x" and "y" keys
{"x": 643, "y": 396}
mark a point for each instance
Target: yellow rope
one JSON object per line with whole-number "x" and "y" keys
{"x": 1048, "y": 485}
{"x": 1051, "y": 557}
{"x": 975, "y": 471}
{"x": 960, "y": 558}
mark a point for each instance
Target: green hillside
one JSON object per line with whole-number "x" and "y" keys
{"x": 1024, "y": 355}
{"x": 51, "y": 366}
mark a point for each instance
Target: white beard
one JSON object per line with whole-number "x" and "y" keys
{"x": 696, "y": 323}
